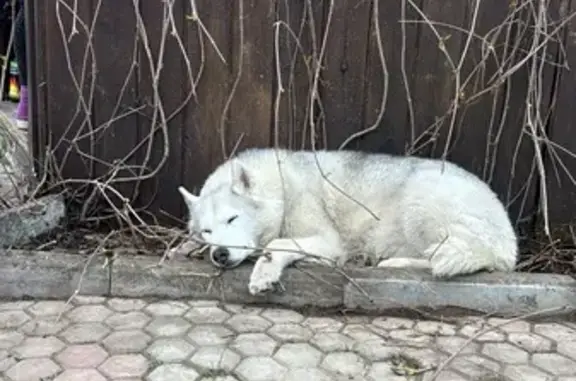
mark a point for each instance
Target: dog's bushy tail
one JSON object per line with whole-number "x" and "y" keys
{"x": 464, "y": 252}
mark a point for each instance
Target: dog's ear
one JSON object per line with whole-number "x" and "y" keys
{"x": 189, "y": 198}
{"x": 241, "y": 183}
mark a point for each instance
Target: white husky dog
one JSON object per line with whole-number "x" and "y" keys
{"x": 330, "y": 205}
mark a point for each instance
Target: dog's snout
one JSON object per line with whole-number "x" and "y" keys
{"x": 221, "y": 255}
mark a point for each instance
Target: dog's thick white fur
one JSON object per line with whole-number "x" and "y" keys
{"x": 399, "y": 211}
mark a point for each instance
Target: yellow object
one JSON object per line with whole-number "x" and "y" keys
{"x": 14, "y": 90}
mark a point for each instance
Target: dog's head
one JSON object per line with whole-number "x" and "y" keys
{"x": 226, "y": 217}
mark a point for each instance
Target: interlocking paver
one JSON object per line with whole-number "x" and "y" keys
{"x": 49, "y": 308}
{"x": 555, "y": 363}
{"x": 12, "y": 319}
{"x": 344, "y": 363}
{"x": 168, "y": 326}
{"x": 254, "y": 344}
{"x": 170, "y": 349}
{"x": 381, "y": 371}
{"x": 89, "y": 314}
{"x": 248, "y": 323}
{"x": 173, "y": 372}
{"x": 42, "y": 326}
{"x": 530, "y": 342}
{"x": 505, "y": 352}
{"x": 82, "y": 356}
{"x": 33, "y": 369}
{"x": 210, "y": 335}
{"x": 332, "y": 341}
{"x": 475, "y": 365}
{"x": 278, "y": 315}
{"x": 38, "y": 347}
{"x": 84, "y": 333}
{"x": 129, "y": 341}
{"x": 10, "y": 338}
{"x": 261, "y": 369}
{"x": 374, "y": 350}
{"x": 215, "y": 358}
{"x": 167, "y": 308}
{"x": 80, "y": 375}
{"x": 525, "y": 373}
{"x": 435, "y": 328}
{"x": 455, "y": 344}
{"x": 290, "y": 332}
{"x": 391, "y": 323}
{"x": 124, "y": 366}
{"x": 323, "y": 324}
{"x": 128, "y": 320}
{"x": 207, "y": 315}
{"x": 125, "y": 305}
{"x": 298, "y": 355}
{"x": 99, "y": 339}
{"x": 7, "y": 360}
{"x": 307, "y": 374}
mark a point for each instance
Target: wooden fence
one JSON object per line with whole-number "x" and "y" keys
{"x": 147, "y": 95}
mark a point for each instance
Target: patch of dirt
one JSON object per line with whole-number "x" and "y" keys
{"x": 555, "y": 254}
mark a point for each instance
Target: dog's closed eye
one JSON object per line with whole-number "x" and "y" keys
{"x": 231, "y": 219}
{"x": 206, "y": 231}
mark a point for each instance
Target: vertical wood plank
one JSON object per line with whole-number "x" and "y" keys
{"x": 202, "y": 150}
{"x": 433, "y": 87}
{"x": 301, "y": 23}
{"x": 561, "y": 152}
{"x": 116, "y": 93}
{"x": 342, "y": 85}
{"x": 253, "y": 74}
{"x": 393, "y": 131}
{"x": 165, "y": 118}
{"x": 36, "y": 27}
{"x": 67, "y": 118}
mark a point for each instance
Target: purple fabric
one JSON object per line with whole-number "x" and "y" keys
{"x": 22, "y": 109}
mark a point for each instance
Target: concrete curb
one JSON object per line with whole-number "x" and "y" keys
{"x": 54, "y": 275}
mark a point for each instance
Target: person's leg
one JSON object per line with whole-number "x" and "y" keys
{"x": 20, "y": 50}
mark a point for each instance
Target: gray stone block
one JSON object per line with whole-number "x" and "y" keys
{"x": 50, "y": 275}
{"x": 19, "y": 225}
{"x": 502, "y": 294}
{"x": 140, "y": 277}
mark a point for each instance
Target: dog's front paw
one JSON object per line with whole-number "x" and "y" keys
{"x": 265, "y": 276}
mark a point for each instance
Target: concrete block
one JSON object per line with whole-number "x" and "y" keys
{"x": 500, "y": 294}
{"x": 141, "y": 277}
{"x": 50, "y": 275}
{"x": 19, "y": 225}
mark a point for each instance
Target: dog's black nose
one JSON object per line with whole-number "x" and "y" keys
{"x": 220, "y": 255}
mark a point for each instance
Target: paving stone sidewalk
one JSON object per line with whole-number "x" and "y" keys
{"x": 98, "y": 339}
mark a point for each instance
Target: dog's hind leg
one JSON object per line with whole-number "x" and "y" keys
{"x": 285, "y": 251}
{"x": 414, "y": 263}
{"x": 465, "y": 255}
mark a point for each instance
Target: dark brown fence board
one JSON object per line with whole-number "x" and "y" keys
{"x": 561, "y": 158}
{"x": 295, "y": 49}
{"x": 393, "y": 132}
{"x": 68, "y": 118}
{"x": 433, "y": 80}
{"x": 342, "y": 85}
{"x": 481, "y": 64}
{"x": 252, "y": 63}
{"x": 115, "y": 95}
{"x": 167, "y": 43}
{"x": 515, "y": 176}
{"x": 203, "y": 148}
{"x": 36, "y": 14}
